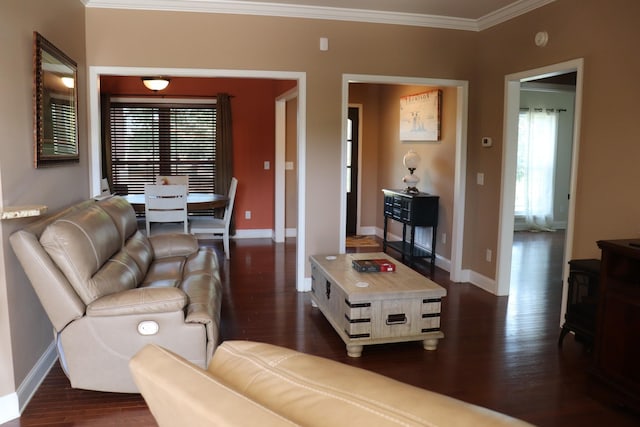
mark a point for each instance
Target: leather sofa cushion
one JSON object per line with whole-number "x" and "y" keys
{"x": 314, "y": 391}
{"x": 168, "y": 271}
{"x": 122, "y": 215}
{"x": 80, "y": 243}
{"x": 178, "y": 394}
{"x": 139, "y": 301}
{"x": 139, "y": 249}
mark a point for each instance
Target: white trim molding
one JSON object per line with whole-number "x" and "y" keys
{"x": 274, "y": 8}
{"x": 9, "y": 407}
{"x": 12, "y": 405}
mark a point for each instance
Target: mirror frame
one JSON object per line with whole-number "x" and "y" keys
{"x": 49, "y": 149}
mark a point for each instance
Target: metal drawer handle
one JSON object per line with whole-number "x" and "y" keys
{"x": 396, "y": 319}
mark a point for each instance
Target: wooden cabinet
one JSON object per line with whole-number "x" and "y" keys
{"x": 582, "y": 300}
{"x": 616, "y": 368}
{"x": 413, "y": 210}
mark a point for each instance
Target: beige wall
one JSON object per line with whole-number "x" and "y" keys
{"x": 267, "y": 43}
{"x": 605, "y": 35}
{"x": 25, "y": 331}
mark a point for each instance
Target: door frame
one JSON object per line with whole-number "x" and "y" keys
{"x": 94, "y": 155}
{"x": 359, "y": 166}
{"x": 279, "y": 167}
{"x": 509, "y": 160}
{"x": 456, "y": 273}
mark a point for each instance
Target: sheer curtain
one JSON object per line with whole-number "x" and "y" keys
{"x": 537, "y": 140}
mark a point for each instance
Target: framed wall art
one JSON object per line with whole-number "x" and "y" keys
{"x": 420, "y": 116}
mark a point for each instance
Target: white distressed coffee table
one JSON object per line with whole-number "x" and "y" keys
{"x": 376, "y": 308}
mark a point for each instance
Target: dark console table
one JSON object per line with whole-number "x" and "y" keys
{"x": 616, "y": 366}
{"x": 414, "y": 210}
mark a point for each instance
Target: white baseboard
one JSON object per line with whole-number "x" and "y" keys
{"x": 306, "y": 285}
{"x": 483, "y": 282}
{"x": 12, "y": 405}
{"x": 30, "y": 385}
{"x": 242, "y": 234}
{"x": 253, "y": 234}
{"x": 367, "y": 231}
{"x": 9, "y": 407}
{"x": 290, "y": 232}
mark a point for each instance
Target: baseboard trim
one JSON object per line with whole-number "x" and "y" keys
{"x": 9, "y": 407}
{"x": 38, "y": 373}
{"x": 483, "y": 282}
{"x": 253, "y": 234}
{"x": 12, "y": 405}
{"x": 306, "y": 285}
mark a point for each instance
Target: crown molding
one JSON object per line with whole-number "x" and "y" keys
{"x": 319, "y": 12}
{"x": 509, "y": 12}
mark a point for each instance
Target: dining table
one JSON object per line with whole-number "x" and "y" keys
{"x": 195, "y": 201}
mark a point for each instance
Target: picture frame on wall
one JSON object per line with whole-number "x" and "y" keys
{"x": 420, "y": 116}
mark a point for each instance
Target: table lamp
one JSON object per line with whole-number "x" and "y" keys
{"x": 411, "y": 161}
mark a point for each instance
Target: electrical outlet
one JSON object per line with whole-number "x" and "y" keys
{"x": 444, "y": 238}
{"x": 488, "y": 255}
{"x": 247, "y": 214}
{"x": 480, "y": 178}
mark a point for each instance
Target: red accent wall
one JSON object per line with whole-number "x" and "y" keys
{"x": 253, "y": 115}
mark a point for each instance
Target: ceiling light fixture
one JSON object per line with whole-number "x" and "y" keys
{"x": 68, "y": 82}
{"x": 155, "y": 83}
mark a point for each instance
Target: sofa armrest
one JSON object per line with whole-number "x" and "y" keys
{"x": 179, "y": 393}
{"x": 139, "y": 301}
{"x": 170, "y": 245}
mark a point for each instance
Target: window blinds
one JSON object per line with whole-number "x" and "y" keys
{"x": 162, "y": 139}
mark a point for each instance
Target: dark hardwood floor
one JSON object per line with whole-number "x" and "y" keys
{"x": 498, "y": 352}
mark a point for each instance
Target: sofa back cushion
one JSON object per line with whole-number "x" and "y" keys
{"x": 80, "y": 243}
{"x": 122, "y": 215}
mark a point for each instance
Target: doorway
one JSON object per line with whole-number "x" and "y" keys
{"x": 94, "y": 133}
{"x": 353, "y": 170}
{"x": 460, "y": 91}
{"x": 513, "y": 87}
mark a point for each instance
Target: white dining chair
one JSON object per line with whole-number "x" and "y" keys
{"x": 166, "y": 204}
{"x": 105, "y": 189}
{"x": 217, "y": 226}
{"x": 173, "y": 180}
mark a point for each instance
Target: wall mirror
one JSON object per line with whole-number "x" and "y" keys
{"x": 55, "y": 105}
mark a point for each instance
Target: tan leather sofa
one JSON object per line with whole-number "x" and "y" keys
{"x": 256, "y": 384}
{"x": 109, "y": 290}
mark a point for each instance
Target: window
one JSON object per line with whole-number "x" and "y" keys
{"x": 537, "y": 138}
{"x": 162, "y": 139}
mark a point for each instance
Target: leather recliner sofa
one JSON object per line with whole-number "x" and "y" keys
{"x": 109, "y": 290}
{"x": 257, "y": 384}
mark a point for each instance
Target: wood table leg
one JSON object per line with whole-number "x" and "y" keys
{"x": 430, "y": 344}
{"x": 354, "y": 350}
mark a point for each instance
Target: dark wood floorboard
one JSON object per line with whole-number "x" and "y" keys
{"x": 498, "y": 352}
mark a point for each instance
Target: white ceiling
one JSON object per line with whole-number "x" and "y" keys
{"x": 471, "y": 15}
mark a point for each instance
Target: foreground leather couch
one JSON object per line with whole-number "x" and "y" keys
{"x": 256, "y": 384}
{"x": 109, "y": 290}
